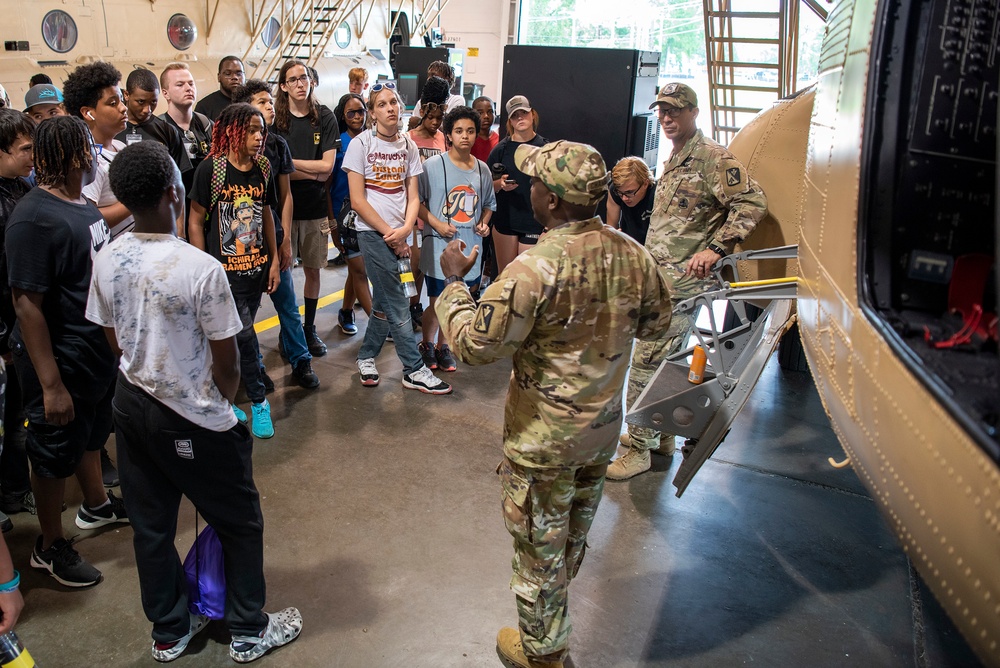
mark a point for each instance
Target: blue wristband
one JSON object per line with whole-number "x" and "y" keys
{"x": 8, "y": 587}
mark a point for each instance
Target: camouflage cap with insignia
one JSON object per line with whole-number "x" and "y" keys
{"x": 676, "y": 95}
{"x": 573, "y": 171}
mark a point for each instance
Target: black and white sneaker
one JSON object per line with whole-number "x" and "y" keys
{"x": 64, "y": 564}
{"x": 369, "y": 374}
{"x": 422, "y": 379}
{"x": 94, "y": 518}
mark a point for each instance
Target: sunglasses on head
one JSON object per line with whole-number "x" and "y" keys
{"x": 383, "y": 84}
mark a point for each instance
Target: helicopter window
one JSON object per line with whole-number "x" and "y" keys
{"x": 271, "y": 35}
{"x": 59, "y": 31}
{"x": 181, "y": 31}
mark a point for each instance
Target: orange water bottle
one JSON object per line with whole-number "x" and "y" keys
{"x": 698, "y": 359}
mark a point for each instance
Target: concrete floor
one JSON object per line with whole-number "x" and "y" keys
{"x": 382, "y": 526}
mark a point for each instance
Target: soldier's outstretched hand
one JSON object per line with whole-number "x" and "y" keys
{"x": 454, "y": 261}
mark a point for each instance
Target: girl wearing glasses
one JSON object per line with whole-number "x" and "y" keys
{"x": 352, "y": 116}
{"x": 631, "y": 201}
{"x": 514, "y": 225}
{"x": 382, "y": 166}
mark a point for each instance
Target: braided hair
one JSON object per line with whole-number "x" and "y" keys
{"x": 62, "y": 144}
{"x": 230, "y": 130}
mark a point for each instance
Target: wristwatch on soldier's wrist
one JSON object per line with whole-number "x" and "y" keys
{"x": 452, "y": 279}
{"x": 717, "y": 249}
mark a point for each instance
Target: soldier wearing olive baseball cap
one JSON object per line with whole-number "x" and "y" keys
{"x": 676, "y": 95}
{"x": 574, "y": 172}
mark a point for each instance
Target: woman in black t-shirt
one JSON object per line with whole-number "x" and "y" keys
{"x": 514, "y": 226}
{"x": 631, "y": 202}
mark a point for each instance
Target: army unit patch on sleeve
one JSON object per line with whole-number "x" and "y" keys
{"x": 484, "y": 318}
{"x": 733, "y": 176}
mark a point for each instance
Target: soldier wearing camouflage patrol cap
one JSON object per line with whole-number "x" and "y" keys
{"x": 567, "y": 310}
{"x": 705, "y": 204}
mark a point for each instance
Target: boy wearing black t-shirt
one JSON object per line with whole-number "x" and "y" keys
{"x": 64, "y": 361}
{"x": 313, "y": 138}
{"x": 142, "y": 93}
{"x": 230, "y": 218}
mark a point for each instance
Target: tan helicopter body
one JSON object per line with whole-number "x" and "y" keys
{"x": 936, "y": 486}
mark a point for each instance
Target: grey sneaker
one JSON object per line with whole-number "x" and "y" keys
{"x": 422, "y": 379}
{"x": 426, "y": 349}
{"x": 18, "y": 503}
{"x": 168, "y": 651}
{"x": 282, "y": 628}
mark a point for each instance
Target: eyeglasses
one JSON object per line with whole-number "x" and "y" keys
{"x": 354, "y": 112}
{"x": 627, "y": 194}
{"x": 383, "y": 84}
{"x": 672, "y": 112}
{"x": 294, "y": 81}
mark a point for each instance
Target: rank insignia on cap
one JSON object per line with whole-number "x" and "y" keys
{"x": 483, "y": 320}
{"x": 670, "y": 88}
{"x": 733, "y": 176}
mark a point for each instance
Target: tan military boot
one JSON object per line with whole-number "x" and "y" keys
{"x": 629, "y": 465}
{"x": 666, "y": 448}
{"x": 510, "y": 648}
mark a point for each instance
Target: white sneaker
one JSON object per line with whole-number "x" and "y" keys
{"x": 369, "y": 374}
{"x": 282, "y": 628}
{"x": 422, "y": 379}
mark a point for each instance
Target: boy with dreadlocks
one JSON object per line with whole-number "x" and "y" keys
{"x": 230, "y": 218}
{"x": 64, "y": 362}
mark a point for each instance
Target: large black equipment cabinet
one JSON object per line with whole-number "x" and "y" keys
{"x": 597, "y": 96}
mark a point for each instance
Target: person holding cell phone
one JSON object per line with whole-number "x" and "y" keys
{"x": 514, "y": 226}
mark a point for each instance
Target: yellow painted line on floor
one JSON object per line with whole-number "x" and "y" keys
{"x": 272, "y": 322}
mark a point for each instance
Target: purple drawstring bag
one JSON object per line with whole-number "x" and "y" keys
{"x": 206, "y": 575}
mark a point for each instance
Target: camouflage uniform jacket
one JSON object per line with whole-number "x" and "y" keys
{"x": 567, "y": 310}
{"x": 704, "y": 195}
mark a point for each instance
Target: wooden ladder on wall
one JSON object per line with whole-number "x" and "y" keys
{"x": 752, "y": 50}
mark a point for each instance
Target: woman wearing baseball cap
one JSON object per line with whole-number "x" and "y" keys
{"x": 514, "y": 226}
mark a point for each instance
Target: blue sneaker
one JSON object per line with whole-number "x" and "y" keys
{"x": 241, "y": 417}
{"x": 261, "y": 427}
{"x": 346, "y": 321}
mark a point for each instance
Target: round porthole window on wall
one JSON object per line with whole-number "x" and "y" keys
{"x": 59, "y": 31}
{"x": 343, "y": 35}
{"x": 181, "y": 31}
{"x": 271, "y": 35}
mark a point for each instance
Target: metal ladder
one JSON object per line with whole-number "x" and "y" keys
{"x": 752, "y": 51}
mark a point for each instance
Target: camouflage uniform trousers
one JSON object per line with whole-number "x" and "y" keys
{"x": 548, "y": 511}
{"x": 646, "y": 359}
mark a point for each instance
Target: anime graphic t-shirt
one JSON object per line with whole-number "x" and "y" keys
{"x": 234, "y": 232}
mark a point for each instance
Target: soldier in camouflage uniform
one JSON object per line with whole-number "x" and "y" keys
{"x": 568, "y": 311}
{"x": 705, "y": 204}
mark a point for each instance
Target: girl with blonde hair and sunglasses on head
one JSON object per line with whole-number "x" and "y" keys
{"x": 382, "y": 166}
